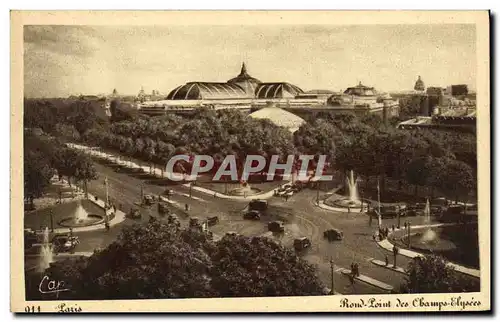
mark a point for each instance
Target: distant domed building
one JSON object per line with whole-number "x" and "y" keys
{"x": 360, "y": 90}
{"x": 245, "y": 81}
{"x": 419, "y": 85}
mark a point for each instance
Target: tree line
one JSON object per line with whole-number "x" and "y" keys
{"x": 444, "y": 161}
{"x": 45, "y": 157}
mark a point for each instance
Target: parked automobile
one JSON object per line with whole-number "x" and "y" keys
{"x": 64, "y": 243}
{"x": 194, "y": 222}
{"x": 211, "y": 221}
{"x": 301, "y": 243}
{"x": 257, "y": 204}
{"x": 163, "y": 208}
{"x": 149, "y": 200}
{"x": 276, "y": 226}
{"x": 134, "y": 214}
{"x": 333, "y": 234}
{"x": 30, "y": 238}
{"x": 416, "y": 209}
{"x": 252, "y": 215}
{"x": 173, "y": 219}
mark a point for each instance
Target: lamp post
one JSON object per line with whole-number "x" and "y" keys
{"x": 332, "y": 267}
{"x": 317, "y": 192}
{"x": 409, "y": 239}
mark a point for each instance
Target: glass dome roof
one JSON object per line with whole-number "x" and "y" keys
{"x": 277, "y": 90}
{"x": 203, "y": 90}
{"x": 245, "y": 81}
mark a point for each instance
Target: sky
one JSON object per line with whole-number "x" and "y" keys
{"x": 71, "y": 60}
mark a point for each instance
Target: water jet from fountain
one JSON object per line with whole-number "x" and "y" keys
{"x": 46, "y": 252}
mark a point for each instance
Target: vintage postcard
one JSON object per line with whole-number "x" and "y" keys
{"x": 231, "y": 161}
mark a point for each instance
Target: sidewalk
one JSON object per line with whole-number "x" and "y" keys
{"x": 390, "y": 266}
{"x": 388, "y": 246}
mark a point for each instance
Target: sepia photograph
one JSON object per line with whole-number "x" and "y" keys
{"x": 326, "y": 159}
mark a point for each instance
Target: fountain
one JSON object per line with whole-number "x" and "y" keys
{"x": 80, "y": 213}
{"x": 46, "y": 252}
{"x": 429, "y": 235}
{"x": 429, "y": 240}
{"x": 244, "y": 190}
{"x": 81, "y": 218}
{"x": 353, "y": 189}
{"x": 352, "y": 201}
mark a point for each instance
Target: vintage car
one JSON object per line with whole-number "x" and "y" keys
{"x": 149, "y": 200}
{"x": 134, "y": 214}
{"x": 257, "y": 204}
{"x": 194, "y": 222}
{"x": 173, "y": 219}
{"x": 333, "y": 234}
{"x": 30, "y": 238}
{"x": 276, "y": 227}
{"x": 211, "y": 221}
{"x": 163, "y": 208}
{"x": 252, "y": 215}
{"x": 301, "y": 243}
{"x": 64, "y": 243}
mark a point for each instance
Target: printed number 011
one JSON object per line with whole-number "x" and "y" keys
{"x": 32, "y": 309}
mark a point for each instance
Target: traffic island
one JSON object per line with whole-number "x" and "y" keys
{"x": 389, "y": 266}
{"x": 369, "y": 281}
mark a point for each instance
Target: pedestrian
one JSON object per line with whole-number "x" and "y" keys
{"x": 96, "y": 198}
{"x": 356, "y": 269}
{"x": 186, "y": 207}
{"x": 348, "y": 210}
{"x": 286, "y": 197}
{"x": 393, "y": 228}
{"x": 406, "y": 225}
{"x": 106, "y": 225}
{"x": 370, "y": 220}
{"x": 395, "y": 251}
{"x": 386, "y": 260}
{"x": 70, "y": 232}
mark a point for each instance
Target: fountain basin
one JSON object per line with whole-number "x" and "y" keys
{"x": 244, "y": 191}
{"x": 91, "y": 220}
{"x": 437, "y": 244}
{"x": 345, "y": 202}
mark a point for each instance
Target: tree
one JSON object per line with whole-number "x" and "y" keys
{"x": 161, "y": 260}
{"x": 121, "y": 111}
{"x": 431, "y": 274}
{"x": 457, "y": 179}
{"x": 66, "y": 132}
{"x": 85, "y": 170}
{"x": 37, "y": 175}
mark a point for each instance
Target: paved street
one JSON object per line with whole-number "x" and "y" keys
{"x": 302, "y": 218}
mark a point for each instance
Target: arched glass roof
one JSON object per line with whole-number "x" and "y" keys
{"x": 203, "y": 90}
{"x": 245, "y": 81}
{"x": 276, "y": 90}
